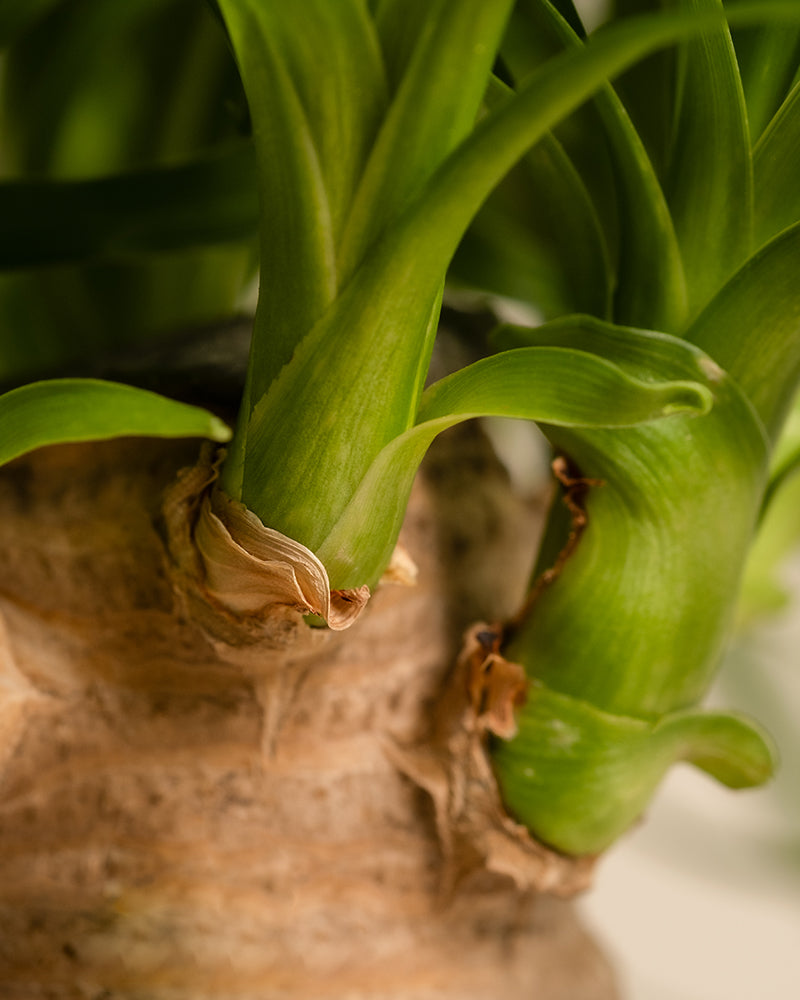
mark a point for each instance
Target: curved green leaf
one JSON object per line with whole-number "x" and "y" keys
{"x": 72, "y": 410}
{"x": 211, "y": 200}
{"x": 558, "y": 385}
{"x": 635, "y": 620}
{"x": 578, "y": 777}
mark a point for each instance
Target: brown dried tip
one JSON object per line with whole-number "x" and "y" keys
{"x": 452, "y": 765}
{"x": 246, "y": 567}
{"x": 496, "y": 686}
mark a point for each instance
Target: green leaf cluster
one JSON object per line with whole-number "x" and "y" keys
{"x": 650, "y": 212}
{"x": 705, "y": 244}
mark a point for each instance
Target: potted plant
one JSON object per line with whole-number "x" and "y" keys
{"x": 283, "y": 718}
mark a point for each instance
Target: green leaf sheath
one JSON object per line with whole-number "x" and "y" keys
{"x": 558, "y": 384}
{"x": 211, "y": 200}
{"x": 647, "y": 593}
{"x": 72, "y": 410}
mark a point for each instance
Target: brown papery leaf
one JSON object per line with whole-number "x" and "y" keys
{"x": 249, "y": 567}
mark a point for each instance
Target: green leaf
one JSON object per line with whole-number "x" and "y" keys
{"x": 355, "y": 376}
{"x": 433, "y": 226}
{"x": 435, "y": 106}
{"x": 648, "y": 92}
{"x": 775, "y": 159}
{"x": 768, "y": 57}
{"x": 710, "y": 178}
{"x": 636, "y": 617}
{"x": 210, "y": 200}
{"x": 752, "y": 328}
{"x": 578, "y": 777}
{"x": 549, "y": 251}
{"x": 651, "y": 288}
{"x": 72, "y": 410}
{"x": 556, "y": 384}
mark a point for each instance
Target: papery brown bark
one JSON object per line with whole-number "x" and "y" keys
{"x": 193, "y": 813}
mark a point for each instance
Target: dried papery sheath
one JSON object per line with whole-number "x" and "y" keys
{"x": 224, "y": 556}
{"x": 249, "y": 567}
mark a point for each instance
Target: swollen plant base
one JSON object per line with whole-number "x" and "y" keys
{"x": 192, "y": 810}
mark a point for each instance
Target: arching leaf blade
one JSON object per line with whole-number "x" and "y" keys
{"x": 74, "y": 410}
{"x": 553, "y": 384}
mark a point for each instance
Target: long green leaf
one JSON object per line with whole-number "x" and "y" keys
{"x": 549, "y": 251}
{"x": 651, "y": 288}
{"x": 648, "y": 92}
{"x": 434, "y": 108}
{"x": 72, "y": 410}
{"x": 299, "y": 254}
{"x": 343, "y": 383}
{"x": 768, "y": 57}
{"x": 775, "y": 166}
{"x": 432, "y": 228}
{"x": 711, "y": 169}
{"x": 558, "y": 385}
{"x": 786, "y": 457}
{"x": 211, "y": 200}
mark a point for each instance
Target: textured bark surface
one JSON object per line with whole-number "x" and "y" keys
{"x": 179, "y": 823}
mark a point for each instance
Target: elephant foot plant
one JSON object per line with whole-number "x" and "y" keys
{"x": 254, "y": 676}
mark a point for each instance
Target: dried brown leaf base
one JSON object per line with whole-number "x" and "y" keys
{"x": 191, "y": 813}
